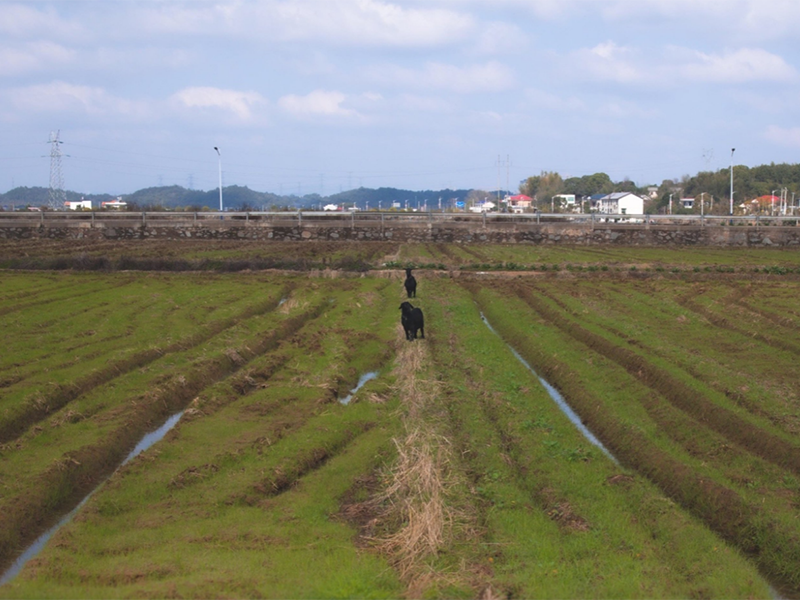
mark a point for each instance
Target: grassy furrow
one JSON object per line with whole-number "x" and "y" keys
{"x": 45, "y": 302}
{"x": 452, "y": 474}
{"x": 731, "y": 323}
{"x": 79, "y": 469}
{"x": 132, "y": 308}
{"x": 683, "y": 393}
{"x": 207, "y": 542}
{"x": 752, "y": 376}
{"x": 18, "y": 418}
{"x": 769, "y": 537}
{"x": 207, "y": 485}
{"x": 551, "y": 500}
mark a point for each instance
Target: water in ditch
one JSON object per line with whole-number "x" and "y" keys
{"x": 576, "y": 420}
{"x": 362, "y": 380}
{"x": 557, "y": 398}
{"x": 148, "y": 440}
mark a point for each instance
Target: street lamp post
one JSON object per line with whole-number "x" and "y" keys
{"x": 219, "y": 157}
{"x": 732, "y": 151}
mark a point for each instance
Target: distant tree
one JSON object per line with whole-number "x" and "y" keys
{"x": 626, "y": 185}
{"x": 589, "y": 185}
{"x": 543, "y": 187}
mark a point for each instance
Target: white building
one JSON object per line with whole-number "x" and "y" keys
{"x": 485, "y": 206}
{"x": 567, "y": 200}
{"x": 81, "y": 204}
{"x": 118, "y": 204}
{"x": 621, "y": 203}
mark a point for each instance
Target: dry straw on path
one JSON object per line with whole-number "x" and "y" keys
{"x": 420, "y": 481}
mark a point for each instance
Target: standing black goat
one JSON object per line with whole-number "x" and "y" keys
{"x": 412, "y": 321}
{"x": 411, "y": 284}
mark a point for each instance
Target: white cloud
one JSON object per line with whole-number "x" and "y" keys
{"x": 746, "y": 19}
{"x": 342, "y": 22}
{"x": 739, "y": 66}
{"x": 18, "y": 20}
{"x": 499, "y": 38}
{"x": 609, "y": 61}
{"x": 35, "y": 56}
{"x": 760, "y": 19}
{"x": 319, "y": 103}
{"x": 60, "y": 96}
{"x": 240, "y": 104}
{"x": 784, "y": 136}
{"x": 769, "y": 18}
{"x": 488, "y": 77}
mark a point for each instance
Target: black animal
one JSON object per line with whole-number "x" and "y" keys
{"x": 411, "y": 284}
{"x": 412, "y": 321}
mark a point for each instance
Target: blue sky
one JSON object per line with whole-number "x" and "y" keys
{"x": 321, "y": 96}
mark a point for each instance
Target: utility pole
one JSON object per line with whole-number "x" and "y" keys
{"x": 219, "y": 160}
{"x": 732, "y": 151}
{"x": 499, "y": 164}
{"x": 508, "y": 174}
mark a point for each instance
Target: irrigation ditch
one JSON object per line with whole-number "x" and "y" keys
{"x": 31, "y": 551}
{"x": 320, "y": 454}
{"x": 80, "y": 471}
{"x": 743, "y": 521}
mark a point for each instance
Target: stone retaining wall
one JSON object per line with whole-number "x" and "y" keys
{"x": 544, "y": 233}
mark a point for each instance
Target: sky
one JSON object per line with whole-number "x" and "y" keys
{"x": 322, "y": 96}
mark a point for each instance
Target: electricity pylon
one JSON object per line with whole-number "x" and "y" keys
{"x": 58, "y": 196}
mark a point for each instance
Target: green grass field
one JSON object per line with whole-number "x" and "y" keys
{"x": 452, "y": 473}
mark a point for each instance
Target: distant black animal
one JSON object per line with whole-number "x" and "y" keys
{"x": 411, "y": 284}
{"x": 412, "y": 321}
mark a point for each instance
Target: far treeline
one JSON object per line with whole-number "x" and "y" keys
{"x": 748, "y": 183}
{"x": 242, "y": 198}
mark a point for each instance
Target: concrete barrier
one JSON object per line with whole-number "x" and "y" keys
{"x": 467, "y": 231}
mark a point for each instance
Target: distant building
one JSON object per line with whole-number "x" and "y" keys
{"x": 331, "y": 207}
{"x": 117, "y": 204}
{"x": 766, "y": 203}
{"x": 687, "y": 203}
{"x": 620, "y": 203}
{"x": 567, "y": 199}
{"x": 519, "y": 203}
{"x": 485, "y": 206}
{"x": 78, "y": 205}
